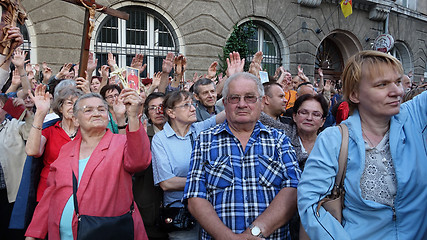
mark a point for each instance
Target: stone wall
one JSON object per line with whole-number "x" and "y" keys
{"x": 205, "y": 26}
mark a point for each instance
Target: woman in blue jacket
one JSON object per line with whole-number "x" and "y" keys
{"x": 387, "y": 159}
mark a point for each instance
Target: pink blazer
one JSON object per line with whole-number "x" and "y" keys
{"x": 105, "y": 188}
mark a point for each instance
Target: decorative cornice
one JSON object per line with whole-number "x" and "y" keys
{"x": 379, "y": 12}
{"x": 310, "y": 3}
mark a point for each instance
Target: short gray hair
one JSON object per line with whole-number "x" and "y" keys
{"x": 243, "y": 75}
{"x": 86, "y": 96}
{"x": 64, "y": 84}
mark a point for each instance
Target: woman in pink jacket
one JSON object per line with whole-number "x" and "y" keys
{"x": 103, "y": 163}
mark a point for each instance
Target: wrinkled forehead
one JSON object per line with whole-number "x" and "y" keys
{"x": 90, "y": 102}
{"x": 242, "y": 86}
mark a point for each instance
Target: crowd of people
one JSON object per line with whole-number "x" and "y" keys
{"x": 244, "y": 160}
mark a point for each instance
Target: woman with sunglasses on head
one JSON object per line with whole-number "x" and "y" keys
{"x": 171, "y": 149}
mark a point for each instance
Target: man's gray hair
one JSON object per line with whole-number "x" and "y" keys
{"x": 88, "y": 95}
{"x": 243, "y": 75}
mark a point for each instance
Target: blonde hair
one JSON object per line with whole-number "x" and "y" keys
{"x": 356, "y": 67}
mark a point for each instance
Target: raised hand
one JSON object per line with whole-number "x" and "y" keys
{"x": 156, "y": 79}
{"x": 37, "y": 67}
{"x": 119, "y": 107}
{"x": 91, "y": 63}
{"x": 111, "y": 61}
{"x": 167, "y": 64}
{"x": 212, "y": 70}
{"x": 180, "y": 64}
{"x": 41, "y": 99}
{"x": 47, "y": 73}
{"x": 328, "y": 85}
{"x": 64, "y": 71}
{"x": 83, "y": 84}
{"x": 132, "y": 101}
{"x": 255, "y": 65}
{"x": 320, "y": 71}
{"x": 234, "y": 64}
{"x": 301, "y": 74}
{"x": 18, "y": 59}
{"x": 137, "y": 62}
{"x": 16, "y": 78}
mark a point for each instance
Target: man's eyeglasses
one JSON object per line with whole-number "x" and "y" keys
{"x": 156, "y": 108}
{"x": 315, "y": 115}
{"x": 233, "y": 99}
{"x": 186, "y": 106}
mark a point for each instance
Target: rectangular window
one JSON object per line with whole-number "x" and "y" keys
{"x": 136, "y": 28}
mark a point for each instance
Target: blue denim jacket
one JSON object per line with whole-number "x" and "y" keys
{"x": 365, "y": 219}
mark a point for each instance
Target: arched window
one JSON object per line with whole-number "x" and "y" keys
{"x": 330, "y": 59}
{"x": 145, "y": 32}
{"x": 26, "y": 46}
{"x": 264, "y": 40}
{"x": 402, "y": 53}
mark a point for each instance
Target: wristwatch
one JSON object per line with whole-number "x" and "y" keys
{"x": 256, "y": 231}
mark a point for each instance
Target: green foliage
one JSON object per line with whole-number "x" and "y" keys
{"x": 238, "y": 42}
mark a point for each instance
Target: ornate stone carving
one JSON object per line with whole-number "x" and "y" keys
{"x": 379, "y": 12}
{"x": 310, "y": 3}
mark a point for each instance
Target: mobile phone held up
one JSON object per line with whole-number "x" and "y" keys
{"x": 14, "y": 111}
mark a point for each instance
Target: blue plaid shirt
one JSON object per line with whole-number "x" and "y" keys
{"x": 241, "y": 183}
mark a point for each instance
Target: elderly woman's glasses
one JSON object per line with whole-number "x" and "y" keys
{"x": 89, "y": 110}
{"x": 233, "y": 99}
{"x": 187, "y": 106}
{"x": 315, "y": 115}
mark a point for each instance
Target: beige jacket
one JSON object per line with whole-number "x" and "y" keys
{"x": 13, "y": 134}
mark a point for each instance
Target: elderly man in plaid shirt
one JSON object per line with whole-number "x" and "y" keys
{"x": 243, "y": 177}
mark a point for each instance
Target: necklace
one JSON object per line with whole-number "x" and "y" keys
{"x": 369, "y": 140}
{"x": 73, "y": 135}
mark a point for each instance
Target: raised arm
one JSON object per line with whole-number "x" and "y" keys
{"x": 167, "y": 66}
{"x": 19, "y": 61}
{"x": 138, "y": 154}
{"x": 137, "y": 62}
{"x": 36, "y": 141}
{"x": 234, "y": 64}
{"x": 119, "y": 109}
{"x": 180, "y": 65}
{"x": 255, "y": 65}
{"x": 92, "y": 62}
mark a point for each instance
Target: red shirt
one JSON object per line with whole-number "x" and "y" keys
{"x": 56, "y": 137}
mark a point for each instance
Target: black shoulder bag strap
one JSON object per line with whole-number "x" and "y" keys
{"x": 76, "y": 205}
